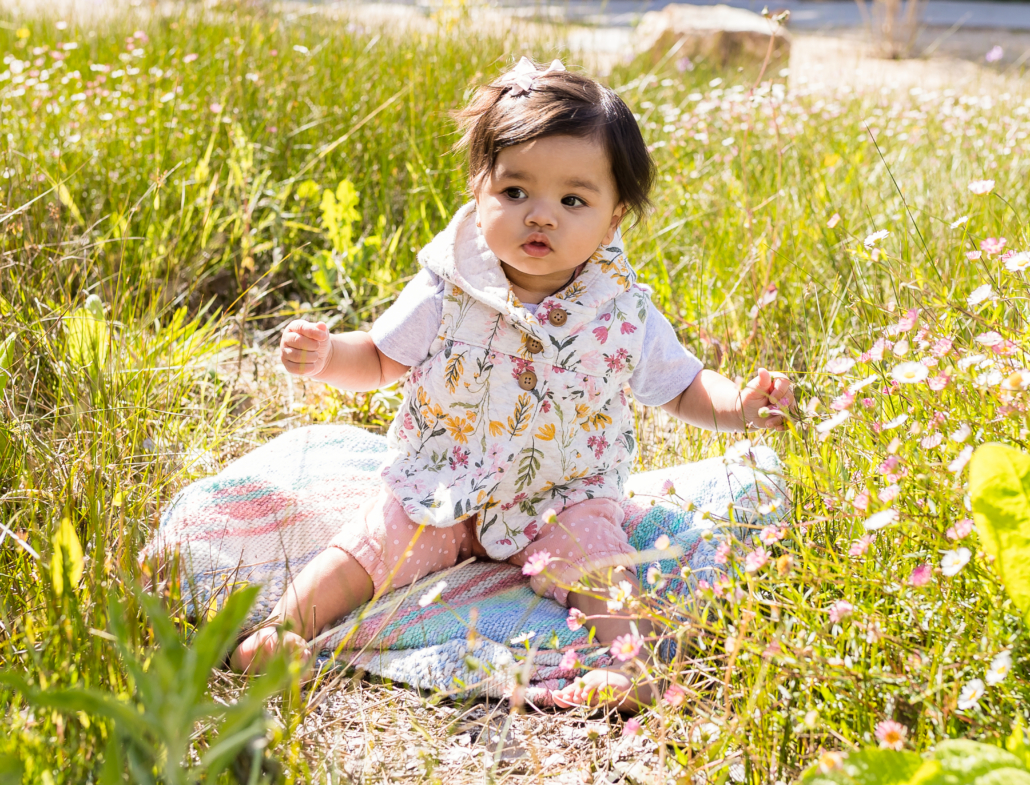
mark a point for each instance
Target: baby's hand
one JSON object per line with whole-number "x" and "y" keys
{"x": 766, "y": 400}
{"x": 305, "y": 348}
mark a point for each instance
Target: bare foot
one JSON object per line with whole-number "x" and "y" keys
{"x": 607, "y": 688}
{"x": 251, "y": 655}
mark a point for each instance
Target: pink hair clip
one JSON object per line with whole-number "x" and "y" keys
{"x": 525, "y": 72}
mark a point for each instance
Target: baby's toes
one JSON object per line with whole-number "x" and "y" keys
{"x": 567, "y": 697}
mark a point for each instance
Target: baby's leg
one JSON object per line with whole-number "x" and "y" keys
{"x": 384, "y": 549}
{"x": 328, "y": 588}
{"x": 591, "y": 546}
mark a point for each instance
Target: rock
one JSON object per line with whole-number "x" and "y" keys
{"x": 719, "y": 34}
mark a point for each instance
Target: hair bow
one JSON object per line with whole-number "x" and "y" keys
{"x": 525, "y": 72}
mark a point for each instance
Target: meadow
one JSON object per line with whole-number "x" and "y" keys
{"x": 177, "y": 187}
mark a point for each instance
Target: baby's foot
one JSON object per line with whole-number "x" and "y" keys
{"x": 251, "y": 655}
{"x": 608, "y": 688}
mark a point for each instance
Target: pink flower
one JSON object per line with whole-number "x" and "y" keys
{"x": 868, "y": 403}
{"x": 942, "y": 347}
{"x": 569, "y": 661}
{"x": 576, "y": 619}
{"x": 756, "y": 560}
{"x": 841, "y": 609}
{"x": 876, "y": 353}
{"x": 632, "y": 727}
{"x": 601, "y": 334}
{"x": 723, "y": 553}
{"x": 992, "y": 245}
{"x": 938, "y": 382}
{"x": 626, "y": 647}
{"x": 994, "y": 54}
{"x": 843, "y": 402}
{"x": 861, "y": 502}
{"x": 890, "y": 493}
{"x": 627, "y": 328}
{"x": 891, "y": 735}
{"x": 861, "y": 545}
{"x": 981, "y": 187}
{"x": 772, "y": 534}
{"x": 668, "y": 488}
{"x": 920, "y": 575}
{"x": 908, "y": 321}
{"x": 960, "y": 529}
{"x": 931, "y": 441}
{"x": 674, "y": 696}
{"x": 974, "y": 255}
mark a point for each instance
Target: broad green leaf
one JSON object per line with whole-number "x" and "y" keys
{"x": 212, "y": 643}
{"x": 971, "y": 759}
{"x": 67, "y": 557}
{"x": 1004, "y": 776}
{"x": 1016, "y": 743}
{"x": 999, "y": 484}
{"x": 868, "y": 767}
{"x": 11, "y": 769}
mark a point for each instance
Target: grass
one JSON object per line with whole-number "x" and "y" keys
{"x": 163, "y": 213}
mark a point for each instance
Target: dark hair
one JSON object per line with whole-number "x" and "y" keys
{"x": 560, "y": 103}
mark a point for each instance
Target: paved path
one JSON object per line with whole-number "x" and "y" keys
{"x": 805, "y": 14}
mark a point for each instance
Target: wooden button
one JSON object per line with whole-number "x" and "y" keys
{"x": 534, "y": 346}
{"x": 557, "y": 317}
{"x": 527, "y": 380}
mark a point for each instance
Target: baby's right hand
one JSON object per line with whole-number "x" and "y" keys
{"x": 305, "y": 348}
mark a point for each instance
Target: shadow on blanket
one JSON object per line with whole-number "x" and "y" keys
{"x": 269, "y": 513}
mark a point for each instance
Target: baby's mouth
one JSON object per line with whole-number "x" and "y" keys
{"x": 536, "y": 248}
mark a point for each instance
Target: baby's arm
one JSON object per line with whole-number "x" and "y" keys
{"x": 714, "y": 402}
{"x": 347, "y": 361}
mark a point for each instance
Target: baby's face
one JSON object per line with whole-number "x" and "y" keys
{"x": 548, "y": 204}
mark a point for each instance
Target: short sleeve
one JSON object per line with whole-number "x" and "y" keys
{"x": 666, "y": 367}
{"x": 407, "y": 329}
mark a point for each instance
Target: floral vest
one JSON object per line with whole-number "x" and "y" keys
{"x": 513, "y": 414}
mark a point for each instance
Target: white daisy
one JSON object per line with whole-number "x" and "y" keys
{"x": 1018, "y": 262}
{"x": 980, "y": 294}
{"x": 1000, "y": 667}
{"x": 909, "y": 373}
{"x": 880, "y": 519}
{"x": 874, "y": 238}
{"x": 971, "y": 694}
{"x": 953, "y": 561}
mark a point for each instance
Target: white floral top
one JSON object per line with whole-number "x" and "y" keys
{"x": 514, "y": 413}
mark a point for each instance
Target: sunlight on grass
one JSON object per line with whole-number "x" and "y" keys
{"x": 175, "y": 189}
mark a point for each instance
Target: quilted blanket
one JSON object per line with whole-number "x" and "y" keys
{"x": 270, "y": 512}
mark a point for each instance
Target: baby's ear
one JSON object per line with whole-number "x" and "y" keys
{"x": 617, "y": 216}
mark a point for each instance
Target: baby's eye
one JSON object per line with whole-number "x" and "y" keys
{"x": 573, "y": 201}
{"x": 514, "y": 193}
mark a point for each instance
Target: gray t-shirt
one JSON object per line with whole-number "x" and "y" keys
{"x": 406, "y": 331}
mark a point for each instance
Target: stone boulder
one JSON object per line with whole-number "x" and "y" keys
{"x": 719, "y": 34}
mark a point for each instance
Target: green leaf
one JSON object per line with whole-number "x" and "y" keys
{"x": 6, "y": 360}
{"x": 86, "y": 337}
{"x": 868, "y": 767}
{"x": 67, "y": 557}
{"x": 999, "y": 485}
{"x": 11, "y": 769}
{"x": 1004, "y": 776}
{"x": 971, "y": 759}
{"x": 1016, "y": 743}
{"x": 212, "y": 643}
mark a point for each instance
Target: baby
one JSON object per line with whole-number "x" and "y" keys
{"x": 518, "y": 337}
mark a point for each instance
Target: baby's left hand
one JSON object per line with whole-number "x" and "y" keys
{"x": 766, "y": 400}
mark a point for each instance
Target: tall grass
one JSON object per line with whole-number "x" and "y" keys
{"x": 164, "y": 210}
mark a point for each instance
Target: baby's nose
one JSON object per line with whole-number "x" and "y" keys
{"x": 541, "y": 215}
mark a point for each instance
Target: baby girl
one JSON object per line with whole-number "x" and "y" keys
{"x": 518, "y": 339}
